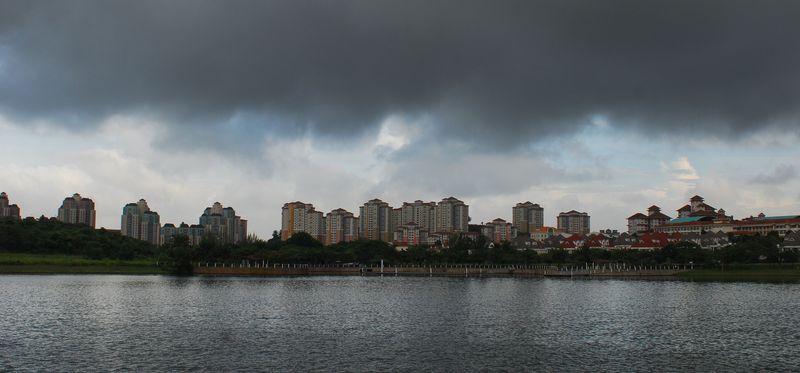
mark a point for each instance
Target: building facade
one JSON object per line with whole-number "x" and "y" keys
{"x": 410, "y": 234}
{"x": 697, "y": 207}
{"x": 302, "y": 217}
{"x": 375, "y": 218}
{"x": 574, "y": 222}
{"x": 140, "y": 223}
{"x": 224, "y": 224}
{"x": 8, "y": 210}
{"x": 423, "y": 214}
{"x": 451, "y": 215}
{"x": 195, "y": 233}
{"x": 499, "y": 230}
{"x": 77, "y": 210}
{"x": 340, "y": 226}
{"x": 639, "y": 223}
{"x": 527, "y": 217}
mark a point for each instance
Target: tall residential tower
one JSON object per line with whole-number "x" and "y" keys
{"x": 140, "y": 223}
{"x": 77, "y": 210}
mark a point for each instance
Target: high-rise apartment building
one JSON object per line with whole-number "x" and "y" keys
{"x": 195, "y": 233}
{"x": 423, "y": 214}
{"x": 527, "y": 217}
{"x": 410, "y": 234}
{"x": 140, "y": 223}
{"x": 499, "y": 230}
{"x": 77, "y": 210}
{"x": 573, "y": 222}
{"x": 451, "y": 215}
{"x": 375, "y": 218}
{"x": 224, "y": 224}
{"x": 302, "y": 217}
{"x": 340, "y": 226}
{"x": 7, "y": 210}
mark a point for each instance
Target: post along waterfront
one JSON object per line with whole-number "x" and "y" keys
{"x": 262, "y": 268}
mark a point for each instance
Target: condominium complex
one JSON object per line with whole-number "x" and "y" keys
{"x": 340, "y": 226}
{"x": 140, "y": 223}
{"x": 410, "y": 234}
{"x": 224, "y": 224}
{"x": 6, "y": 210}
{"x": 195, "y": 233}
{"x": 451, "y": 215}
{"x": 77, "y": 210}
{"x": 499, "y": 230}
{"x": 423, "y": 214}
{"x": 573, "y": 222}
{"x": 302, "y": 217}
{"x": 376, "y": 222}
{"x": 638, "y": 223}
{"x": 527, "y": 217}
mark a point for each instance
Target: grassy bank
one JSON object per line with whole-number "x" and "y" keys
{"x": 44, "y": 264}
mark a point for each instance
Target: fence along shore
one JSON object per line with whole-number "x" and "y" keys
{"x": 266, "y": 269}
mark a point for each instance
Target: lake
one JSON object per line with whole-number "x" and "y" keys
{"x": 163, "y": 323}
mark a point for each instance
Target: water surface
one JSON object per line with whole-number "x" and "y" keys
{"x": 157, "y": 323}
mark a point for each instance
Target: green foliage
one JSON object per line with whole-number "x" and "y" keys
{"x": 50, "y": 236}
{"x": 179, "y": 255}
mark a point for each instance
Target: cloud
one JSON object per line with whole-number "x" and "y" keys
{"x": 681, "y": 170}
{"x": 225, "y": 75}
{"x": 780, "y": 175}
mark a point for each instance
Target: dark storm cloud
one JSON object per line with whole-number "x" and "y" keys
{"x": 502, "y": 71}
{"x": 780, "y": 175}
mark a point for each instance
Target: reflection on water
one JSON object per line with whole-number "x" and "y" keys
{"x": 81, "y": 323}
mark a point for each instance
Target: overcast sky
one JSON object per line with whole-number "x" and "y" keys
{"x": 604, "y": 106}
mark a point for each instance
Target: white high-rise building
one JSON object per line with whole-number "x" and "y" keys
{"x": 140, "y": 223}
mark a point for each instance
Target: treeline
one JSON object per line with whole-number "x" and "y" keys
{"x": 50, "y": 236}
{"x": 302, "y": 248}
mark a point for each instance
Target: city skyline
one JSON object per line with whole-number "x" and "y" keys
{"x": 591, "y": 117}
{"x": 411, "y": 222}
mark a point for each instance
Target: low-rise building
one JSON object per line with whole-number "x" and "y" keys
{"x": 638, "y": 223}
{"x": 791, "y": 241}
{"x": 763, "y": 225}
